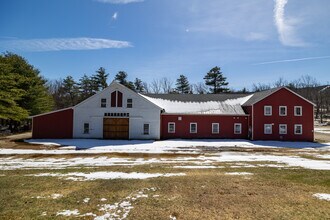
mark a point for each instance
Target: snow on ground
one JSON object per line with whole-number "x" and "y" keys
{"x": 86, "y": 200}
{"x": 68, "y": 212}
{"x": 325, "y": 130}
{"x": 75, "y": 176}
{"x": 192, "y": 146}
{"x": 323, "y": 196}
{"x": 238, "y": 173}
{"x": 53, "y": 196}
{"x": 198, "y": 167}
{"x": 12, "y": 163}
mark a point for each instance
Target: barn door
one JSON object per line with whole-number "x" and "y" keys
{"x": 115, "y": 128}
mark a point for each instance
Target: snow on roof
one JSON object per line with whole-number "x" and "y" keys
{"x": 227, "y": 107}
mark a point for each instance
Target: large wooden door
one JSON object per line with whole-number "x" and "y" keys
{"x": 115, "y": 128}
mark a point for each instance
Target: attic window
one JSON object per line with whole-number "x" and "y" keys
{"x": 103, "y": 103}
{"x": 116, "y": 99}
{"x": 129, "y": 103}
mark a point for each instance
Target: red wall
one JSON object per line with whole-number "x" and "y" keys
{"x": 283, "y": 97}
{"x": 53, "y": 125}
{"x": 204, "y": 126}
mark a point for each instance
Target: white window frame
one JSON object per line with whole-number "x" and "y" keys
{"x": 240, "y": 128}
{"x": 295, "y": 127}
{"x": 105, "y": 102}
{"x": 168, "y": 127}
{"x": 279, "y": 110}
{"x": 286, "y": 128}
{"x": 271, "y": 129}
{"x": 295, "y": 112}
{"x": 86, "y": 131}
{"x": 146, "y": 133}
{"x": 271, "y": 110}
{"x": 193, "y": 132}
{"x": 129, "y": 104}
{"x": 218, "y": 128}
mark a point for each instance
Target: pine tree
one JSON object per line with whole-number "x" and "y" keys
{"x": 182, "y": 85}
{"x": 138, "y": 85}
{"x": 86, "y": 88}
{"x": 215, "y": 79}
{"x": 70, "y": 89}
{"x": 121, "y": 77}
{"x": 100, "y": 79}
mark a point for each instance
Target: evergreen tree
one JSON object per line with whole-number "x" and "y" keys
{"x": 86, "y": 88}
{"x": 23, "y": 78}
{"x": 138, "y": 85}
{"x": 70, "y": 90}
{"x": 215, "y": 79}
{"x": 121, "y": 77}
{"x": 100, "y": 79}
{"x": 182, "y": 85}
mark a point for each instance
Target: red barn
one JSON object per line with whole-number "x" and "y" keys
{"x": 119, "y": 113}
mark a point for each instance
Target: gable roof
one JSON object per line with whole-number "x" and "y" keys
{"x": 224, "y": 104}
{"x": 258, "y": 96}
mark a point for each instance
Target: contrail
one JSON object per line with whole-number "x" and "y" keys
{"x": 293, "y": 60}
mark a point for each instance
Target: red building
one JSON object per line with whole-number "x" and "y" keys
{"x": 276, "y": 114}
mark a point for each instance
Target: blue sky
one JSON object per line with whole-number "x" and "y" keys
{"x": 252, "y": 41}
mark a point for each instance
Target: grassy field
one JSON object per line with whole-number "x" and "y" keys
{"x": 270, "y": 193}
{"x": 260, "y": 190}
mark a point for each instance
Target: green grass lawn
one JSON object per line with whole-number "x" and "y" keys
{"x": 270, "y": 193}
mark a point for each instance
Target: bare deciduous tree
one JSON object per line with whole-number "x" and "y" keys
{"x": 166, "y": 85}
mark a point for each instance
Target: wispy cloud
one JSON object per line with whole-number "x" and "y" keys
{"x": 285, "y": 27}
{"x": 58, "y": 44}
{"x": 115, "y": 16}
{"x": 293, "y": 60}
{"x": 119, "y": 1}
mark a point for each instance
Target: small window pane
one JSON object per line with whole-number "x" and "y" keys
{"x": 298, "y": 129}
{"x": 86, "y": 128}
{"x": 237, "y": 128}
{"x": 129, "y": 103}
{"x": 297, "y": 110}
{"x": 282, "y": 111}
{"x": 268, "y": 110}
{"x": 283, "y": 129}
{"x": 215, "y": 128}
{"x": 268, "y": 129}
{"x": 171, "y": 127}
{"x": 193, "y": 128}
{"x": 103, "y": 103}
{"x": 146, "y": 129}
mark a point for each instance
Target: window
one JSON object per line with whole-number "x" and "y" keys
{"x": 116, "y": 99}
{"x": 171, "y": 127}
{"x": 268, "y": 129}
{"x": 193, "y": 127}
{"x": 103, "y": 103}
{"x": 297, "y": 129}
{"x": 215, "y": 128}
{"x": 267, "y": 110}
{"x": 129, "y": 103}
{"x": 282, "y": 110}
{"x": 146, "y": 129}
{"x": 237, "y": 128}
{"x": 297, "y": 111}
{"x": 282, "y": 129}
{"x": 86, "y": 128}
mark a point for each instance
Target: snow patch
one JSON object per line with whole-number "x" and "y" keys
{"x": 75, "y": 176}
{"x": 68, "y": 212}
{"x": 86, "y": 200}
{"x": 323, "y": 196}
{"x": 238, "y": 173}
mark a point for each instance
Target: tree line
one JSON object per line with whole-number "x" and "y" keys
{"x": 24, "y": 92}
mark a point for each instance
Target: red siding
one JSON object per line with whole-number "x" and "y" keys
{"x": 204, "y": 126}
{"x": 283, "y": 97}
{"x": 53, "y": 125}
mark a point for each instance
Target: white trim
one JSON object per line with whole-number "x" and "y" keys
{"x": 279, "y": 128}
{"x": 168, "y": 127}
{"x": 271, "y": 128}
{"x": 301, "y": 112}
{"x": 217, "y": 128}
{"x": 295, "y": 126}
{"x": 279, "y": 110}
{"x": 193, "y": 132}
{"x": 271, "y": 110}
{"x": 240, "y": 128}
